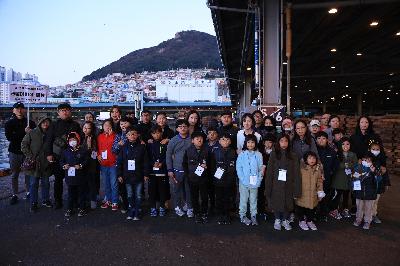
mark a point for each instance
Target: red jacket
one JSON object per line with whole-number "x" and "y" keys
{"x": 104, "y": 143}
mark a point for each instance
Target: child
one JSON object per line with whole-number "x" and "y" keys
{"x": 132, "y": 168}
{"x": 268, "y": 142}
{"x": 341, "y": 180}
{"x": 223, "y": 171}
{"x": 108, "y": 170}
{"x": 158, "y": 181}
{"x": 283, "y": 182}
{"x": 178, "y": 183}
{"x": 311, "y": 190}
{"x": 383, "y": 182}
{"x": 212, "y": 144}
{"x": 73, "y": 160}
{"x": 196, "y": 162}
{"x": 228, "y": 127}
{"x": 364, "y": 187}
{"x": 330, "y": 163}
{"x": 250, "y": 171}
{"x": 338, "y": 134}
{"x": 314, "y": 128}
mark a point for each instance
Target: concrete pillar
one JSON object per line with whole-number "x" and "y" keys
{"x": 359, "y": 104}
{"x": 324, "y": 107}
{"x": 271, "y": 52}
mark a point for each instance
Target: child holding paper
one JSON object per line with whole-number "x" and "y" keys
{"x": 72, "y": 160}
{"x": 250, "y": 171}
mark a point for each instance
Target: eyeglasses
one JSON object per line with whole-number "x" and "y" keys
{"x": 182, "y": 126}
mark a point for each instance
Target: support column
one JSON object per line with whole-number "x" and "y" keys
{"x": 359, "y": 104}
{"x": 271, "y": 52}
{"x": 324, "y": 107}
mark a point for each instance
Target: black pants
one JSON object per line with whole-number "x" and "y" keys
{"x": 305, "y": 214}
{"x": 223, "y": 200}
{"x": 124, "y": 195}
{"x": 158, "y": 190}
{"x": 325, "y": 205}
{"x": 76, "y": 197}
{"x": 197, "y": 190}
{"x": 211, "y": 192}
{"x": 336, "y": 200}
{"x": 93, "y": 185}
{"x": 261, "y": 197}
{"x": 59, "y": 174}
{"x": 281, "y": 215}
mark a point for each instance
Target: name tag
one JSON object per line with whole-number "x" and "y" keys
{"x": 357, "y": 185}
{"x": 199, "y": 170}
{"x": 219, "y": 173}
{"x": 156, "y": 169}
{"x": 356, "y": 175}
{"x": 131, "y": 165}
{"x": 347, "y": 171}
{"x": 94, "y": 155}
{"x": 71, "y": 171}
{"x": 104, "y": 155}
{"x": 253, "y": 180}
{"x": 282, "y": 175}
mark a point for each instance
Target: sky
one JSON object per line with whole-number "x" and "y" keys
{"x": 62, "y": 41}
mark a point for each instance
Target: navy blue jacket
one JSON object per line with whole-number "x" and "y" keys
{"x": 226, "y": 159}
{"x": 383, "y": 179}
{"x": 72, "y": 158}
{"x": 193, "y": 158}
{"x": 330, "y": 163}
{"x": 157, "y": 153}
{"x": 133, "y": 151}
{"x": 368, "y": 184}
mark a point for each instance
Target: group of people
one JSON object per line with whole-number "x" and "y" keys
{"x": 309, "y": 171}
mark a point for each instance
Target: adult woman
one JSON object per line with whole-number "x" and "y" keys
{"x": 363, "y": 137}
{"x": 194, "y": 119}
{"x": 302, "y": 140}
{"x": 247, "y": 129}
{"x": 333, "y": 123}
{"x": 270, "y": 125}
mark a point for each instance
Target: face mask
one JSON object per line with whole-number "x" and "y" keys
{"x": 376, "y": 153}
{"x": 268, "y": 151}
{"x": 73, "y": 143}
{"x": 269, "y": 128}
{"x": 366, "y": 164}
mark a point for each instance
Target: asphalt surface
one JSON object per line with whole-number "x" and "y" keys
{"x": 106, "y": 238}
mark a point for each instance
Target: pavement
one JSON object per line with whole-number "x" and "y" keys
{"x": 104, "y": 237}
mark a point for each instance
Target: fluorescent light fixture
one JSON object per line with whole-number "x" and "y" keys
{"x": 285, "y": 63}
{"x": 333, "y": 50}
{"x": 398, "y": 33}
{"x": 333, "y": 67}
{"x": 347, "y": 86}
{"x": 333, "y": 81}
{"x": 332, "y": 11}
{"x": 374, "y": 23}
{"x": 248, "y": 69}
{"x": 359, "y": 54}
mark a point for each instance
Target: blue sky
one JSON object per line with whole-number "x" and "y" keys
{"x": 61, "y": 41}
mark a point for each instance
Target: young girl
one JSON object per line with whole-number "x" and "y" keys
{"x": 312, "y": 190}
{"x": 341, "y": 180}
{"x": 247, "y": 129}
{"x": 283, "y": 181}
{"x": 108, "y": 170}
{"x": 250, "y": 171}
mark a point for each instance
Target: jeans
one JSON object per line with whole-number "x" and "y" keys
{"x": 247, "y": 194}
{"x": 109, "y": 176}
{"x": 134, "y": 192}
{"x": 15, "y": 164}
{"x": 34, "y": 187}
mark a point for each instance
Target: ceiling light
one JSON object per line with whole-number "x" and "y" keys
{"x": 333, "y": 67}
{"x": 391, "y": 74}
{"x": 398, "y": 33}
{"x": 387, "y": 98}
{"x": 332, "y": 11}
{"x": 249, "y": 68}
{"x": 365, "y": 93}
{"x": 309, "y": 90}
{"x": 333, "y": 81}
{"x": 285, "y": 63}
{"x": 364, "y": 101}
{"x": 374, "y": 23}
{"x": 380, "y": 90}
{"x": 295, "y": 86}
{"x": 347, "y": 86}
{"x": 359, "y": 54}
{"x": 333, "y": 50}
{"x": 389, "y": 90}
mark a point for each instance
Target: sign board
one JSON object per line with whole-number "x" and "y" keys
{"x": 28, "y": 93}
{"x": 276, "y": 111}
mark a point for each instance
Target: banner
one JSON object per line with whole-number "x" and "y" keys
{"x": 28, "y": 93}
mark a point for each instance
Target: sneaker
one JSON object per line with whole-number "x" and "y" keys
{"x": 136, "y": 218}
{"x": 204, "y": 218}
{"x": 179, "y": 212}
{"x": 153, "y": 212}
{"x": 286, "y": 225}
{"x": 277, "y": 224}
{"x": 185, "y": 207}
{"x": 34, "y": 207}
{"x": 291, "y": 218}
{"x": 221, "y": 220}
{"x": 335, "y": 214}
{"x": 312, "y": 226}
{"x": 14, "y": 199}
{"x": 303, "y": 225}
{"x": 105, "y": 205}
{"x": 129, "y": 217}
{"x": 353, "y": 211}
{"x": 376, "y": 220}
{"x": 254, "y": 220}
{"x": 27, "y": 196}
{"x": 198, "y": 219}
{"x": 68, "y": 213}
{"x": 366, "y": 226}
{"x": 346, "y": 213}
{"x": 123, "y": 211}
{"x": 357, "y": 223}
{"x": 93, "y": 204}
{"x": 114, "y": 207}
{"x": 190, "y": 213}
{"x": 81, "y": 213}
{"x": 245, "y": 220}
{"x": 161, "y": 212}
{"x": 47, "y": 204}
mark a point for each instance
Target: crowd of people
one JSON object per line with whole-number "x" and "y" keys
{"x": 298, "y": 170}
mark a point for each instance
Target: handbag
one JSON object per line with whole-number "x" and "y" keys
{"x": 28, "y": 164}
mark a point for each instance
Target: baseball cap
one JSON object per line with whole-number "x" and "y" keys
{"x": 19, "y": 105}
{"x": 315, "y": 122}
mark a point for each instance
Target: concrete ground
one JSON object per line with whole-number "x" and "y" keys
{"x": 106, "y": 238}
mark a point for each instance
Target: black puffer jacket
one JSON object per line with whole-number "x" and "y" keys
{"x": 193, "y": 158}
{"x": 330, "y": 163}
{"x": 133, "y": 151}
{"x": 15, "y": 132}
{"x": 368, "y": 184}
{"x": 225, "y": 159}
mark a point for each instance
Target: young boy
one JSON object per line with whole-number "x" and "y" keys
{"x": 73, "y": 160}
{"x": 228, "y": 127}
{"x": 212, "y": 144}
{"x": 158, "y": 182}
{"x": 330, "y": 162}
{"x": 178, "y": 183}
{"x": 196, "y": 160}
{"x": 223, "y": 171}
{"x": 314, "y": 127}
{"x": 132, "y": 168}
{"x": 338, "y": 134}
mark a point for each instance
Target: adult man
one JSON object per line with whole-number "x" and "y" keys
{"x": 15, "y": 130}
{"x": 56, "y": 142}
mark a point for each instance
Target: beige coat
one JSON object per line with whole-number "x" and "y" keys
{"x": 311, "y": 183}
